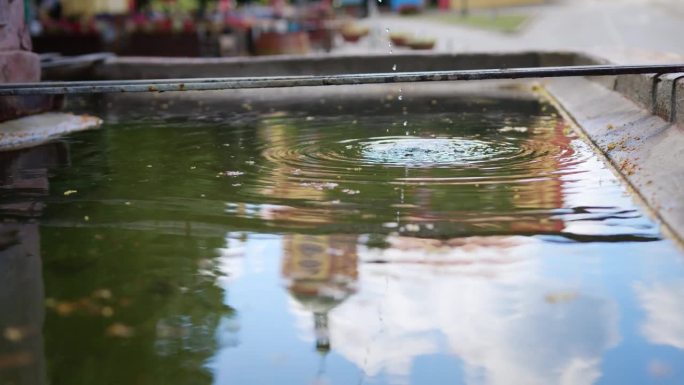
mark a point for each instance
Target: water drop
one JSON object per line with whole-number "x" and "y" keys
{"x": 400, "y": 97}
{"x": 386, "y": 29}
{"x": 394, "y": 67}
{"x": 405, "y": 123}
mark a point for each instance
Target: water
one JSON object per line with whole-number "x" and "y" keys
{"x": 304, "y": 247}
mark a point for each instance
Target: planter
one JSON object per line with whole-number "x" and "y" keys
{"x": 421, "y": 44}
{"x": 400, "y": 39}
{"x": 273, "y": 43}
{"x": 353, "y": 33}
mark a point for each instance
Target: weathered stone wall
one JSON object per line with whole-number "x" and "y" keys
{"x": 17, "y": 64}
{"x": 14, "y": 33}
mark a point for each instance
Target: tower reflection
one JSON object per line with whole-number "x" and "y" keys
{"x": 321, "y": 273}
{"x": 482, "y": 300}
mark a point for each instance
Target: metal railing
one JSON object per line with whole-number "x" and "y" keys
{"x": 231, "y": 83}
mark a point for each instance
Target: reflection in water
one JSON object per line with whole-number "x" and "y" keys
{"x": 286, "y": 247}
{"x": 663, "y": 303}
{"x": 322, "y": 273}
{"x": 24, "y": 175}
{"x": 482, "y": 299}
{"x": 121, "y": 306}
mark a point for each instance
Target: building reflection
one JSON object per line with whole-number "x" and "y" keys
{"x": 520, "y": 203}
{"x": 321, "y": 273}
{"x": 547, "y": 193}
{"x": 23, "y": 181}
{"x": 282, "y": 181}
{"x": 482, "y": 299}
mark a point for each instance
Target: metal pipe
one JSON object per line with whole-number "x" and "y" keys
{"x": 212, "y": 84}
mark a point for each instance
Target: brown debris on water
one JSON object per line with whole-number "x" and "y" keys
{"x": 560, "y": 297}
{"x": 102, "y": 294}
{"x": 15, "y": 360}
{"x": 13, "y": 334}
{"x": 65, "y": 308}
{"x": 107, "y": 311}
{"x": 119, "y": 330}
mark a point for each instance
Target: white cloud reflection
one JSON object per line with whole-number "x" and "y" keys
{"x": 664, "y": 307}
{"x": 482, "y": 299}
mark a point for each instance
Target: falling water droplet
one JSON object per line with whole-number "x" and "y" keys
{"x": 394, "y": 67}
{"x": 386, "y": 29}
{"x": 400, "y": 97}
{"x": 405, "y": 123}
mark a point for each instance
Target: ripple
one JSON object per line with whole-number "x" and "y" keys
{"x": 490, "y": 157}
{"x": 469, "y": 177}
{"x": 462, "y": 175}
{"x": 431, "y": 152}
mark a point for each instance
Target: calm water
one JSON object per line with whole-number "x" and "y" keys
{"x": 483, "y": 243}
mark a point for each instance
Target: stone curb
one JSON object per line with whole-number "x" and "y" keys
{"x": 662, "y": 95}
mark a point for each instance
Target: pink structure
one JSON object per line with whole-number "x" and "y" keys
{"x": 17, "y": 63}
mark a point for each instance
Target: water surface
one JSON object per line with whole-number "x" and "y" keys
{"x": 483, "y": 243}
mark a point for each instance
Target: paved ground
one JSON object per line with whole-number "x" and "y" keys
{"x": 648, "y": 25}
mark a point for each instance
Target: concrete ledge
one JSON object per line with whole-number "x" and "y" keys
{"x": 17, "y": 67}
{"x": 662, "y": 95}
{"x": 646, "y": 90}
{"x": 678, "y": 98}
{"x": 159, "y": 68}
{"x": 37, "y": 129}
{"x": 646, "y": 149}
{"x": 630, "y": 119}
{"x": 638, "y": 88}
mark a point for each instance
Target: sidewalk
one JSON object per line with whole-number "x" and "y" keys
{"x": 571, "y": 25}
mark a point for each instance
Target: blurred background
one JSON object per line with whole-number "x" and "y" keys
{"x": 214, "y": 28}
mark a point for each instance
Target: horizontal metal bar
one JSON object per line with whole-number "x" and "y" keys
{"x": 209, "y": 84}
